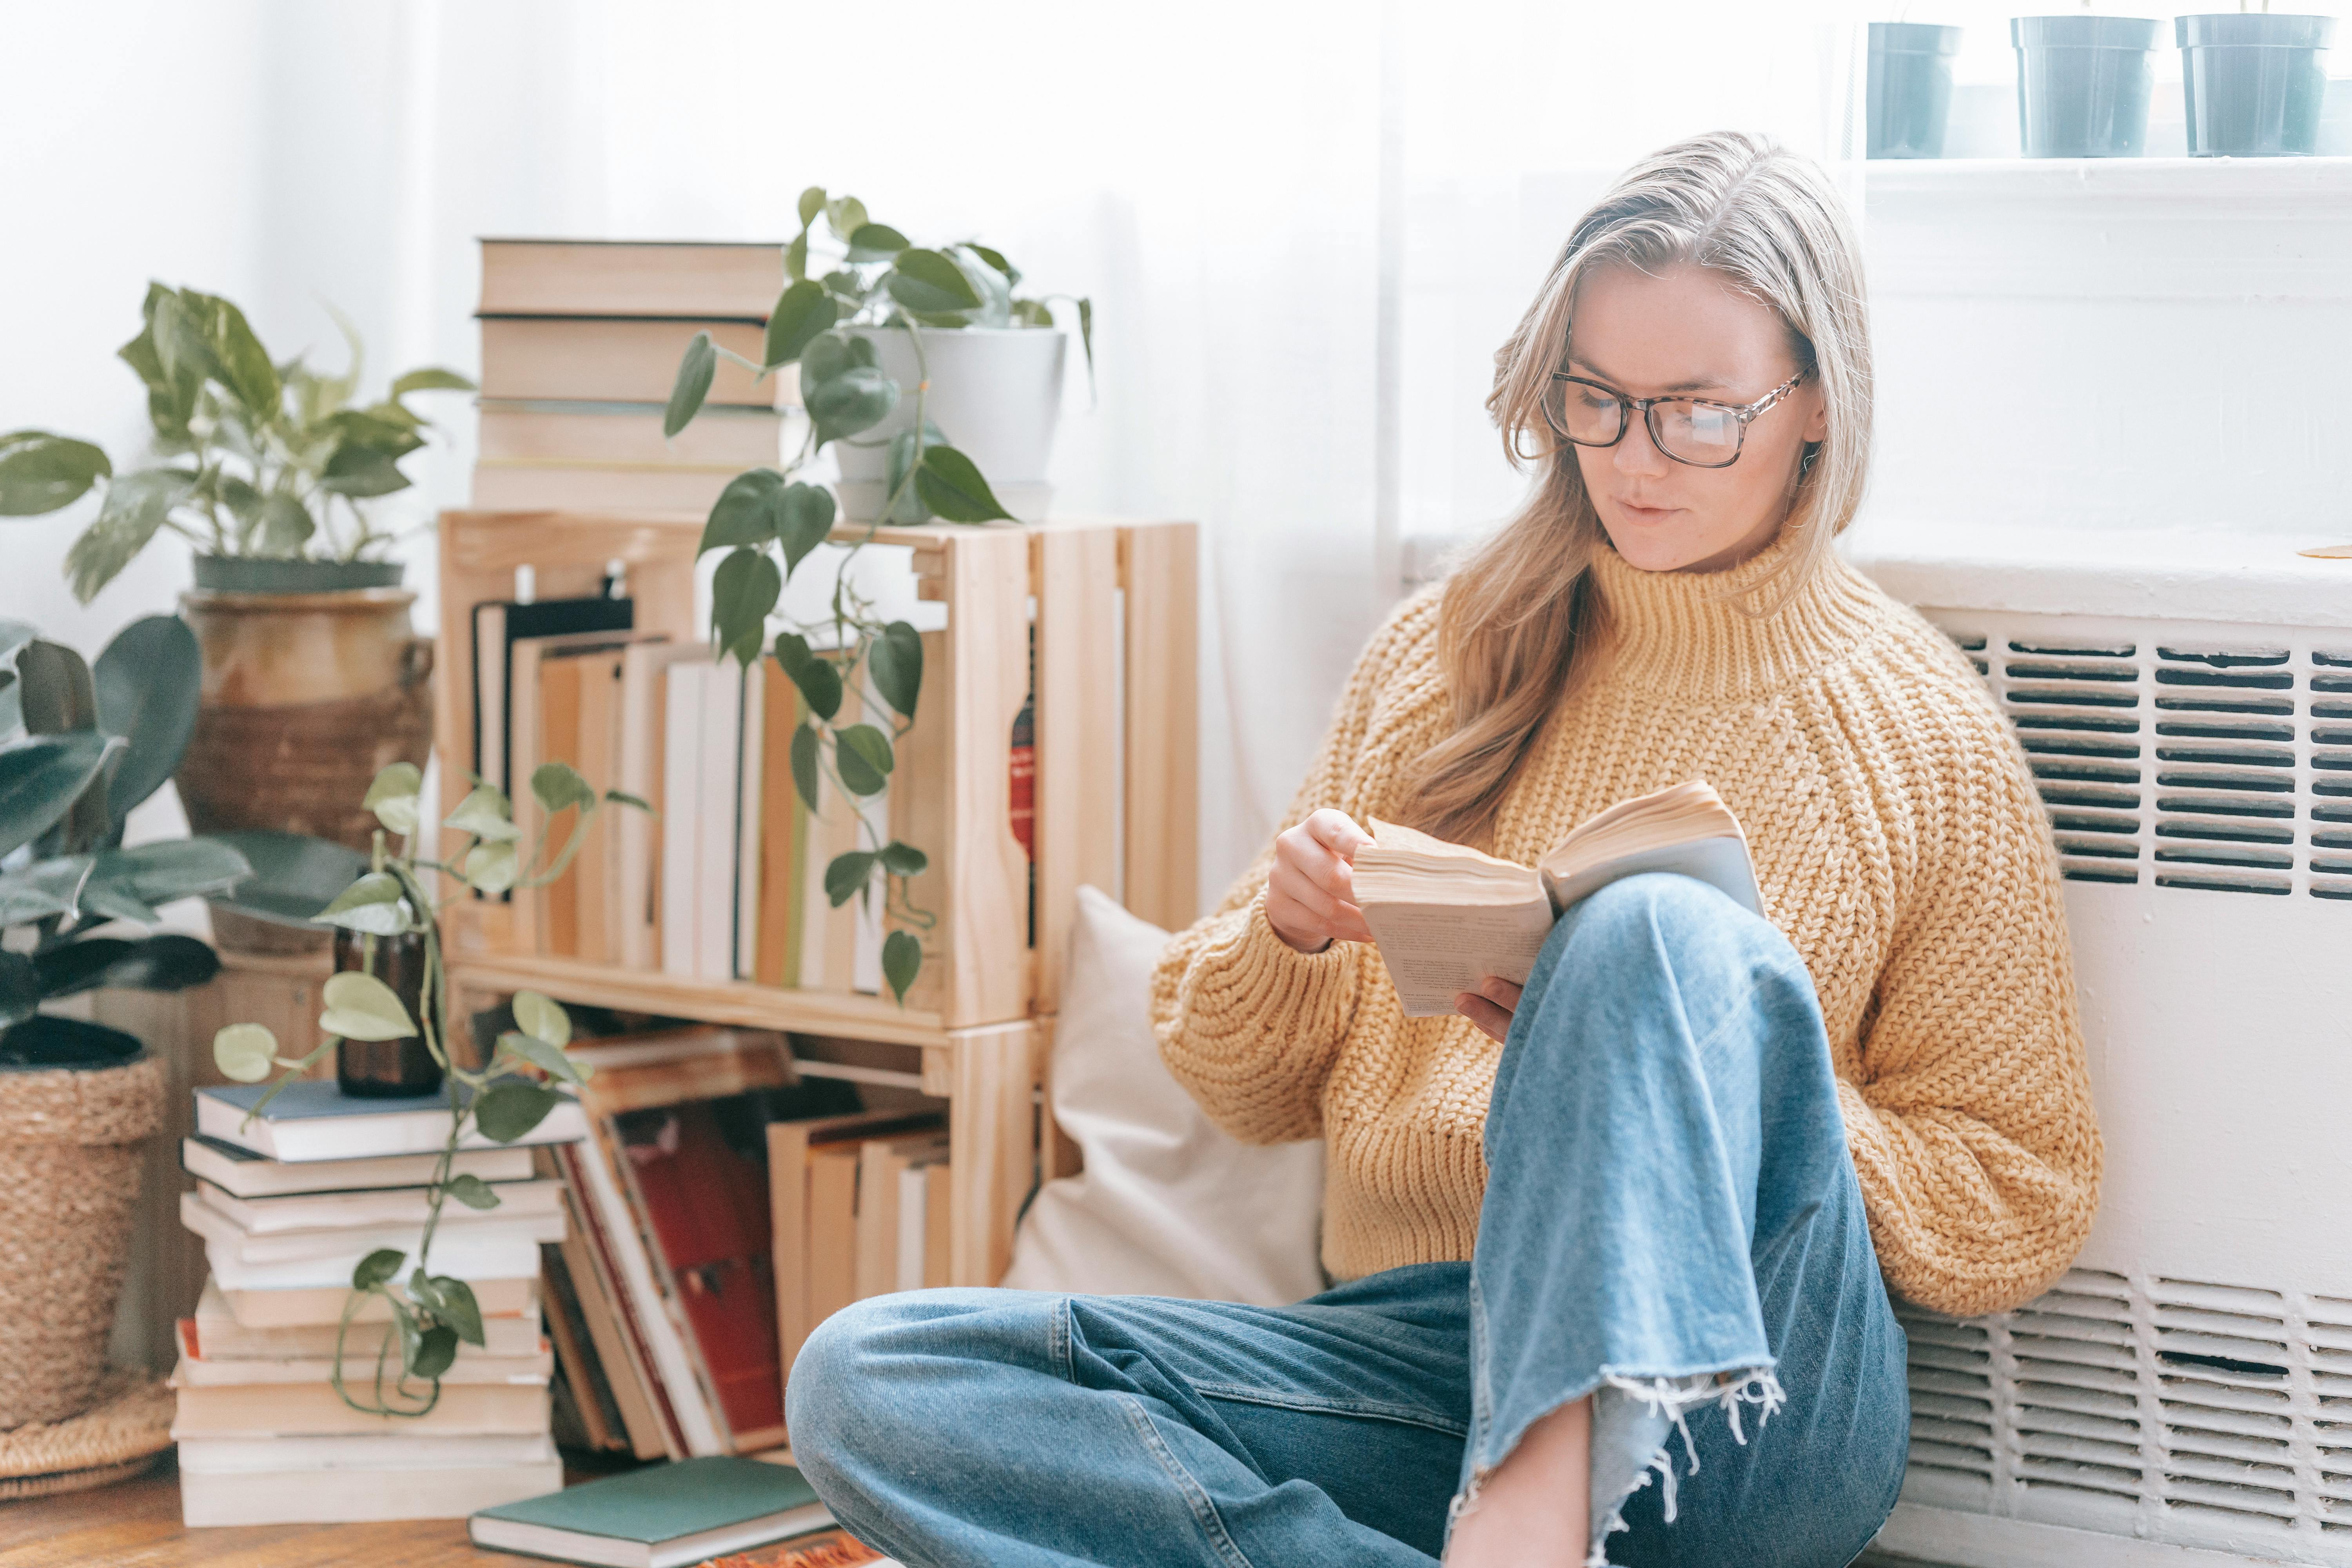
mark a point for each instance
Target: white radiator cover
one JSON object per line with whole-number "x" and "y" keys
{"x": 2185, "y": 1393}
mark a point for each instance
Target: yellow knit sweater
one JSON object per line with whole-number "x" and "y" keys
{"x": 1898, "y": 844}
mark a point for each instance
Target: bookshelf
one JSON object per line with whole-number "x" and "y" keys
{"x": 1113, "y": 604}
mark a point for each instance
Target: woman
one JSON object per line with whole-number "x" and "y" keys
{"x": 1665, "y": 1187}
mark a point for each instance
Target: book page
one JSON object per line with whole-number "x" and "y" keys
{"x": 1720, "y": 862}
{"x": 1434, "y": 951}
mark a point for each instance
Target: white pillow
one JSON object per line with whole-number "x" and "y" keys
{"x": 1168, "y": 1204}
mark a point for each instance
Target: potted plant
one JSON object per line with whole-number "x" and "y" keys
{"x": 78, "y": 750}
{"x": 2083, "y": 84}
{"x": 2252, "y": 84}
{"x": 886, "y": 318}
{"x": 1909, "y": 96}
{"x": 313, "y": 678}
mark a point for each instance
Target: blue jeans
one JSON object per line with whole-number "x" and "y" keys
{"x": 1670, "y": 1225}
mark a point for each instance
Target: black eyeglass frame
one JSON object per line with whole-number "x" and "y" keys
{"x": 1627, "y": 407}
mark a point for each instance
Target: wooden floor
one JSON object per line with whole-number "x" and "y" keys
{"x": 136, "y": 1524}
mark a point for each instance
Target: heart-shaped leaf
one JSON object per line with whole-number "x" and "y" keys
{"x": 359, "y": 471}
{"x": 361, "y": 1008}
{"x": 863, "y": 755}
{"x": 541, "y": 1018}
{"x": 286, "y": 526}
{"x": 805, "y": 768}
{"x": 397, "y": 796}
{"x": 848, "y": 874}
{"x": 695, "y": 368}
{"x": 874, "y": 242}
{"x": 743, "y": 591}
{"x": 902, "y": 960}
{"x": 952, "y": 486}
{"x": 486, "y": 813}
{"x": 372, "y": 904}
{"x": 244, "y": 1052}
{"x": 857, "y": 399}
{"x": 995, "y": 258}
{"x": 796, "y": 257}
{"x": 895, "y": 660}
{"x": 376, "y": 1267}
{"x": 844, "y": 215}
{"x": 746, "y": 513}
{"x": 436, "y": 1348}
{"x": 557, "y": 786}
{"x": 40, "y": 472}
{"x": 458, "y": 1309}
{"x": 905, "y": 450}
{"x": 811, "y": 202}
{"x": 904, "y": 860}
{"x": 802, "y": 310}
{"x": 803, "y": 520}
{"x": 490, "y": 866}
{"x": 835, "y": 353}
{"x": 550, "y": 1059}
{"x": 928, "y": 281}
{"x": 820, "y": 686}
{"x": 511, "y": 1107}
{"x": 472, "y": 1191}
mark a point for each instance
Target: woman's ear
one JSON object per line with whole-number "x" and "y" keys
{"x": 1817, "y": 424}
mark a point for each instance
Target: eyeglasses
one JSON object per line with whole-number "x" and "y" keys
{"x": 1690, "y": 430}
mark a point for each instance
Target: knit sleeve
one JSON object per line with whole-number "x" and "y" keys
{"x": 1970, "y": 1121}
{"x": 1246, "y": 1022}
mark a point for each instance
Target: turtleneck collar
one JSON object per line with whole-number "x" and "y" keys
{"x": 1728, "y": 633}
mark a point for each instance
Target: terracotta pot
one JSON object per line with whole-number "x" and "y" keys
{"x": 306, "y": 696}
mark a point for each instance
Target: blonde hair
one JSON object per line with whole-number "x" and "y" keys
{"x": 1519, "y": 615}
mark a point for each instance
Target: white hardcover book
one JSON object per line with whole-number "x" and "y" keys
{"x": 301, "y": 1496}
{"x": 914, "y": 1184}
{"x": 680, "y": 838}
{"x": 455, "y": 1257}
{"x": 392, "y": 1205}
{"x": 714, "y": 877}
{"x": 244, "y": 1456}
{"x": 224, "y": 1238}
{"x": 359, "y": 1371}
{"x": 245, "y": 1174}
{"x": 221, "y": 1337}
{"x": 751, "y": 730}
{"x": 310, "y": 1118}
{"x": 645, "y": 761}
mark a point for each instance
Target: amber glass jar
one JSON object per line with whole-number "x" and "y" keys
{"x": 384, "y": 1070}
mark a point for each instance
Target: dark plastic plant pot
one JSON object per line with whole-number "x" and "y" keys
{"x": 2083, "y": 84}
{"x": 1910, "y": 93}
{"x": 43, "y": 1044}
{"x": 250, "y": 574}
{"x": 2252, "y": 85}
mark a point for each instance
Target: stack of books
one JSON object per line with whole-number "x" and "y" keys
{"x": 288, "y": 1203}
{"x": 581, "y": 344}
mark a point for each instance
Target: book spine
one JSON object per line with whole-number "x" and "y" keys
{"x": 749, "y": 762}
{"x": 681, "y": 790}
{"x": 722, "y": 724}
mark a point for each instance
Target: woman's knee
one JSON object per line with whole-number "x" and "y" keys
{"x": 865, "y": 1381}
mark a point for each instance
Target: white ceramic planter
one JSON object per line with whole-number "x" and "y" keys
{"x": 995, "y": 392}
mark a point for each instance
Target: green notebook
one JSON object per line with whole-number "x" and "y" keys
{"x": 657, "y": 1517}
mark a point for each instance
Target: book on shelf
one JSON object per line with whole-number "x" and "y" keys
{"x": 310, "y": 1118}
{"x": 600, "y": 486}
{"x": 316, "y": 1410}
{"x": 359, "y": 1364}
{"x": 299, "y": 1493}
{"x": 1446, "y": 916}
{"x": 244, "y": 1173}
{"x": 581, "y": 1383}
{"x": 317, "y": 1306}
{"x": 639, "y": 835}
{"x": 812, "y": 1167}
{"x": 628, "y": 436}
{"x": 498, "y": 626}
{"x": 663, "y": 1516}
{"x": 622, "y": 359}
{"x": 222, "y": 1336}
{"x": 381, "y": 1206}
{"x": 627, "y": 276}
{"x": 620, "y": 1353}
{"x": 886, "y": 1231}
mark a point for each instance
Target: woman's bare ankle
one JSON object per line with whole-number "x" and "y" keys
{"x": 1535, "y": 1508}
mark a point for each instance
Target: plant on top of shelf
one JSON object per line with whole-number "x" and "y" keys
{"x": 434, "y": 1313}
{"x": 874, "y": 285}
{"x": 266, "y": 459}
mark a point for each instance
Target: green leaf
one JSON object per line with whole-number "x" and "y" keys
{"x": 430, "y": 379}
{"x": 458, "y": 1309}
{"x": 45, "y": 887}
{"x": 906, "y": 449}
{"x": 171, "y": 962}
{"x": 857, "y": 399}
{"x": 490, "y": 866}
{"x": 294, "y": 876}
{"x": 952, "y": 486}
{"x": 994, "y": 289}
{"x": 747, "y": 512}
{"x": 556, "y": 785}
{"x": 796, "y": 257}
{"x": 875, "y": 242}
{"x": 552, "y": 1059}
{"x": 541, "y": 1018}
{"x": 844, "y": 215}
{"x": 804, "y": 760}
{"x": 145, "y": 684}
{"x": 903, "y": 859}
{"x": 510, "y": 1108}
{"x": 995, "y": 258}
{"x": 124, "y": 880}
{"x": 699, "y": 364}
{"x": 376, "y": 1267}
{"x": 804, "y": 519}
{"x": 387, "y": 428}
{"x": 361, "y": 471}
{"x": 742, "y": 591}
{"x": 182, "y": 341}
{"x": 811, "y": 202}
{"x": 847, "y": 875}
{"x": 40, "y": 472}
{"x": 1032, "y": 313}
{"x": 1087, "y": 337}
{"x": 361, "y": 1008}
{"x": 834, "y": 354}
{"x": 135, "y": 506}
{"x": 436, "y": 1348}
{"x": 244, "y": 1052}
{"x": 902, "y": 960}
{"x": 928, "y": 281}
{"x": 622, "y": 797}
{"x": 895, "y": 659}
{"x": 820, "y": 685}
{"x": 41, "y": 776}
{"x": 20, "y": 990}
{"x": 242, "y": 362}
{"x": 372, "y": 904}
{"x": 397, "y": 796}
{"x": 864, "y": 755}
{"x": 472, "y": 1191}
{"x": 486, "y": 813}
{"x": 287, "y": 526}
{"x": 802, "y": 310}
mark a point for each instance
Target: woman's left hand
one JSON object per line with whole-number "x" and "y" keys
{"x": 1490, "y": 1006}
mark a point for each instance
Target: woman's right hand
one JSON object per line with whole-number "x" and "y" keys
{"x": 1310, "y": 893}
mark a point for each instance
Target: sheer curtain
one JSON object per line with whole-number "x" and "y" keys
{"x": 1304, "y": 226}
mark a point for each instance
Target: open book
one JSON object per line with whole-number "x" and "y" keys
{"x": 1446, "y": 916}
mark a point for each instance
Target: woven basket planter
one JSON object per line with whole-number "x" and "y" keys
{"x": 69, "y": 1163}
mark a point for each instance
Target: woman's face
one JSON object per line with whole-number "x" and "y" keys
{"x": 1686, "y": 331}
